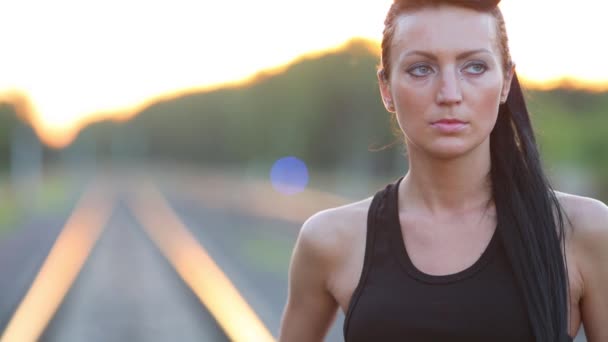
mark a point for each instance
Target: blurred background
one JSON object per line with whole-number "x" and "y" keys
{"x": 130, "y": 131}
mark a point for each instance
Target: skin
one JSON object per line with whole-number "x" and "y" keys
{"x": 443, "y": 200}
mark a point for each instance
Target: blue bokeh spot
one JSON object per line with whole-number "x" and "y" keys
{"x": 289, "y": 175}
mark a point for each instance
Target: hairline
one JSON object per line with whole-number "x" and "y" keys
{"x": 408, "y": 11}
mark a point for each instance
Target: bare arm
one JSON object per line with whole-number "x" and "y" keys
{"x": 310, "y": 308}
{"x": 592, "y": 239}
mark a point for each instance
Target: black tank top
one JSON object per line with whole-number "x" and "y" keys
{"x": 394, "y": 301}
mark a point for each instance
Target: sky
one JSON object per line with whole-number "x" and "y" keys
{"x": 75, "y": 61}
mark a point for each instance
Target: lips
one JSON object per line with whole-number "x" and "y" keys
{"x": 448, "y": 126}
{"x": 449, "y": 121}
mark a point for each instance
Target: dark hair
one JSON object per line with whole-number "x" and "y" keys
{"x": 530, "y": 218}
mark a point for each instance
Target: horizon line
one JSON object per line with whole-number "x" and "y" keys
{"x": 62, "y": 137}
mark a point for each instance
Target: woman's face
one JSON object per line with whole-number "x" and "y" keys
{"x": 446, "y": 80}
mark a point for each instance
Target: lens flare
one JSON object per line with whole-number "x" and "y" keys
{"x": 289, "y": 175}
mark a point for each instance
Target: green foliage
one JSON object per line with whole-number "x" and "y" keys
{"x": 327, "y": 111}
{"x": 8, "y": 120}
{"x": 324, "y": 110}
{"x": 572, "y": 129}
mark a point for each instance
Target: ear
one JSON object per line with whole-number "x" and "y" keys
{"x": 504, "y": 94}
{"x": 385, "y": 91}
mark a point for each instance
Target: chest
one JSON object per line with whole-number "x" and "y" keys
{"x": 440, "y": 257}
{"x": 479, "y": 303}
{"x": 428, "y": 253}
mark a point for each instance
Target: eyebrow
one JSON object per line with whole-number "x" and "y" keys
{"x": 460, "y": 56}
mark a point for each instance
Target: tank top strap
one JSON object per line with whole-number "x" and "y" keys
{"x": 378, "y": 237}
{"x": 380, "y": 220}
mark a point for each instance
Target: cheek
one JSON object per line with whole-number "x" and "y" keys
{"x": 411, "y": 118}
{"x": 485, "y": 101}
{"x": 413, "y": 103}
{"x": 490, "y": 105}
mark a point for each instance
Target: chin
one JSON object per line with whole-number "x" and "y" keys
{"x": 445, "y": 150}
{"x": 448, "y": 153}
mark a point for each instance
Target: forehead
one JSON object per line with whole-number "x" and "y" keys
{"x": 444, "y": 29}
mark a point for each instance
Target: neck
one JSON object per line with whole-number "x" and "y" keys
{"x": 448, "y": 186}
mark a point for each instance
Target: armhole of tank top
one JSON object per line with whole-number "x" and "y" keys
{"x": 367, "y": 259}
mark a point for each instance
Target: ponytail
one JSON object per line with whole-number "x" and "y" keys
{"x": 530, "y": 219}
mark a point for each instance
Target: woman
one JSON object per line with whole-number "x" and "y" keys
{"x": 471, "y": 244}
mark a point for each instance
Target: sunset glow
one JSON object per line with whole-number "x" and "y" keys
{"x": 75, "y": 62}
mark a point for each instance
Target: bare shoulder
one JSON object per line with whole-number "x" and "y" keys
{"x": 322, "y": 245}
{"x": 588, "y": 217}
{"x": 588, "y": 242}
{"x": 329, "y": 232}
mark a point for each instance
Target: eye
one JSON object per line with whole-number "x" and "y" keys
{"x": 420, "y": 70}
{"x": 476, "y": 68}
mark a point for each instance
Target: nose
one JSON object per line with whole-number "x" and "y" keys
{"x": 449, "y": 92}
